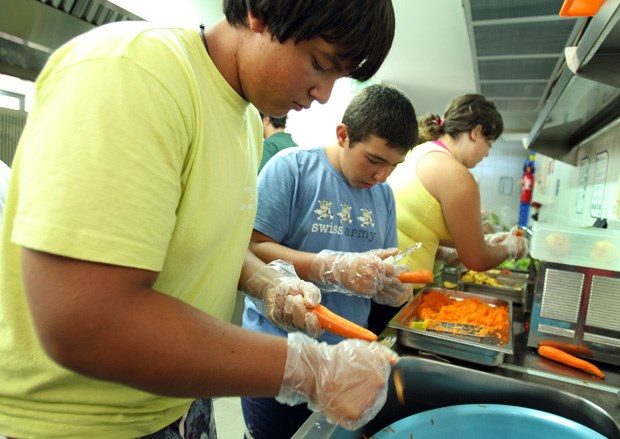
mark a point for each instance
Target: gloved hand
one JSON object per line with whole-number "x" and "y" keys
{"x": 517, "y": 246}
{"x": 346, "y": 381}
{"x": 449, "y": 255}
{"x": 360, "y": 274}
{"x": 393, "y": 292}
{"x": 495, "y": 238}
{"x": 283, "y": 298}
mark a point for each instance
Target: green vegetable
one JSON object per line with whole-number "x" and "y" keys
{"x": 522, "y": 264}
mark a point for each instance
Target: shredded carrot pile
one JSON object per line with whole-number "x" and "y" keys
{"x": 436, "y": 306}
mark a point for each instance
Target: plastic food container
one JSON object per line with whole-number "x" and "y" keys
{"x": 481, "y": 350}
{"x": 584, "y": 247}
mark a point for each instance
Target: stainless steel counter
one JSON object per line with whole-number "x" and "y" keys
{"x": 527, "y": 366}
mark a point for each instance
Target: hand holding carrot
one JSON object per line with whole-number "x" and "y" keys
{"x": 350, "y": 273}
{"x": 392, "y": 290}
{"x": 338, "y": 325}
{"x": 347, "y": 381}
{"x": 283, "y": 298}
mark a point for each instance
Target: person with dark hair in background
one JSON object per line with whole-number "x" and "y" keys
{"x": 276, "y": 139}
{"x": 130, "y": 211}
{"x": 329, "y": 210}
{"x": 437, "y": 197}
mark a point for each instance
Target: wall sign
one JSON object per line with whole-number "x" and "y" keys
{"x": 582, "y": 183}
{"x": 598, "y": 191}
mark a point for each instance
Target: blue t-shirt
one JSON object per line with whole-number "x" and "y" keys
{"x": 306, "y": 204}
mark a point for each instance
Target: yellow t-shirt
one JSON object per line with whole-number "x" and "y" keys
{"x": 137, "y": 153}
{"x": 418, "y": 214}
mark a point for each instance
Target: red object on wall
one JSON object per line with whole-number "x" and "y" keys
{"x": 527, "y": 185}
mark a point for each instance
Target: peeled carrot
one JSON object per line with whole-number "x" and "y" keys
{"x": 573, "y": 349}
{"x": 569, "y": 360}
{"x": 417, "y": 277}
{"x": 338, "y": 325}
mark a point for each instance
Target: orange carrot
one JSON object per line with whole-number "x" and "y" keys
{"x": 569, "y": 360}
{"x": 573, "y": 349}
{"x": 338, "y": 325}
{"x": 417, "y": 277}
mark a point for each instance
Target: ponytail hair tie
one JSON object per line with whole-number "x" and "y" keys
{"x": 438, "y": 122}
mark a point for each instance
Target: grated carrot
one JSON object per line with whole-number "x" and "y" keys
{"x": 436, "y": 306}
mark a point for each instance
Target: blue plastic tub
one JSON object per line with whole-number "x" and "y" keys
{"x": 486, "y": 421}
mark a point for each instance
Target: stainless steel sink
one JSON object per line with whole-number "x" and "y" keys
{"x": 430, "y": 384}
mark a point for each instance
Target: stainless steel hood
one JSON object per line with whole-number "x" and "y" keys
{"x": 586, "y": 95}
{"x": 30, "y": 30}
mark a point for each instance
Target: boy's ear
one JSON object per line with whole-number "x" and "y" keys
{"x": 342, "y": 134}
{"x": 256, "y": 24}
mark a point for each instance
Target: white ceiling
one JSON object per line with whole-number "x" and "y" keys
{"x": 431, "y": 43}
{"x": 431, "y": 58}
{"x": 509, "y": 50}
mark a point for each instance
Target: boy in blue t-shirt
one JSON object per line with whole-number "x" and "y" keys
{"x": 329, "y": 211}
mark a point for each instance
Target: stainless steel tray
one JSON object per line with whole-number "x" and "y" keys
{"x": 480, "y": 351}
{"x": 513, "y": 287}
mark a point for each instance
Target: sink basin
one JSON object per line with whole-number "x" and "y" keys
{"x": 428, "y": 384}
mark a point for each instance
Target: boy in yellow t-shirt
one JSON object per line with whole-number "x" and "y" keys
{"x": 128, "y": 218}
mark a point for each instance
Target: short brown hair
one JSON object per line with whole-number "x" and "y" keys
{"x": 463, "y": 114}
{"x": 364, "y": 28}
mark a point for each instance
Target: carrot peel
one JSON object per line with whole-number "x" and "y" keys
{"x": 569, "y": 360}
{"x": 417, "y": 277}
{"x": 338, "y": 325}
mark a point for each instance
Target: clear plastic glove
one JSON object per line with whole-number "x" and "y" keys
{"x": 284, "y": 299}
{"x": 393, "y": 292}
{"x": 517, "y": 246}
{"x": 347, "y": 381}
{"x": 495, "y": 238}
{"x": 448, "y": 255}
{"x": 356, "y": 274}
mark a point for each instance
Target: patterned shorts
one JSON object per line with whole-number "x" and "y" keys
{"x": 197, "y": 423}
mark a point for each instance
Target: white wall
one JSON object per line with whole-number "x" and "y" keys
{"x": 178, "y": 13}
{"x": 17, "y": 86}
{"x": 499, "y": 178}
{"x": 317, "y": 125}
{"x": 568, "y": 201}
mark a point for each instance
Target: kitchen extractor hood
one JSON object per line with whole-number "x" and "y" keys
{"x": 30, "y": 30}
{"x": 586, "y": 95}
